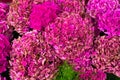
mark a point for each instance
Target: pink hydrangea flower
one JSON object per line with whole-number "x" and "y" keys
{"x": 107, "y": 57}
{"x": 4, "y": 50}
{"x": 72, "y": 6}
{"x": 32, "y": 58}
{"x": 107, "y": 14}
{"x": 83, "y": 65}
{"x": 82, "y": 62}
{"x": 42, "y": 14}
{"x": 3, "y": 17}
{"x": 18, "y": 15}
{"x": 93, "y": 75}
{"x": 70, "y": 35}
{"x": 99, "y": 7}
{"x": 110, "y": 23}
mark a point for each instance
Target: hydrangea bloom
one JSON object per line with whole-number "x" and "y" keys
{"x": 107, "y": 14}
{"x": 32, "y": 58}
{"x": 20, "y": 11}
{"x": 99, "y": 7}
{"x": 70, "y": 35}
{"x": 93, "y": 75}
{"x": 18, "y": 15}
{"x": 3, "y": 17}
{"x": 83, "y": 64}
{"x": 74, "y": 6}
{"x": 43, "y": 14}
{"x": 4, "y": 50}
{"x": 110, "y": 23}
{"x": 107, "y": 57}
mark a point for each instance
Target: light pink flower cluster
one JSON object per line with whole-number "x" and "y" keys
{"x": 107, "y": 57}
{"x": 70, "y": 35}
{"x": 3, "y": 17}
{"x": 74, "y": 6}
{"x": 32, "y": 58}
{"x": 18, "y": 15}
{"x": 43, "y": 14}
{"x": 4, "y": 52}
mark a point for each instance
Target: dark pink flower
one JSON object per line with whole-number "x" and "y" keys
{"x": 42, "y": 14}
{"x": 4, "y": 45}
{"x": 93, "y": 75}
{"x": 32, "y": 58}
{"x": 4, "y": 50}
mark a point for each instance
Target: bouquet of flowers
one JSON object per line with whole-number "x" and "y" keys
{"x": 60, "y": 40}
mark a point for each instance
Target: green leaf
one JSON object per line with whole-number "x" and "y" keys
{"x": 66, "y": 72}
{"x": 111, "y": 76}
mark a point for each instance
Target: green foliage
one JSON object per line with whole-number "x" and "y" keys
{"x": 66, "y": 72}
{"x": 111, "y": 76}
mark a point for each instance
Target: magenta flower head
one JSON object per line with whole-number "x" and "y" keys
{"x": 107, "y": 14}
{"x": 3, "y": 17}
{"x": 42, "y": 14}
{"x": 32, "y": 58}
{"x": 31, "y": 13}
{"x": 110, "y": 23}
{"x": 69, "y": 35}
{"x": 4, "y": 50}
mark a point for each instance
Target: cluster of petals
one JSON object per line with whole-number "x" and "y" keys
{"x": 83, "y": 64}
{"x": 32, "y": 58}
{"x": 107, "y": 14}
{"x": 18, "y": 15}
{"x": 21, "y": 12}
{"x": 3, "y": 18}
{"x": 53, "y": 31}
{"x": 4, "y": 52}
{"x": 72, "y": 6}
{"x": 100, "y": 7}
{"x": 93, "y": 75}
{"x": 110, "y": 23}
{"x": 70, "y": 35}
{"x": 43, "y": 14}
{"x": 107, "y": 57}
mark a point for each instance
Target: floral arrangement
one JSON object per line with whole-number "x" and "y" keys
{"x": 60, "y": 40}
